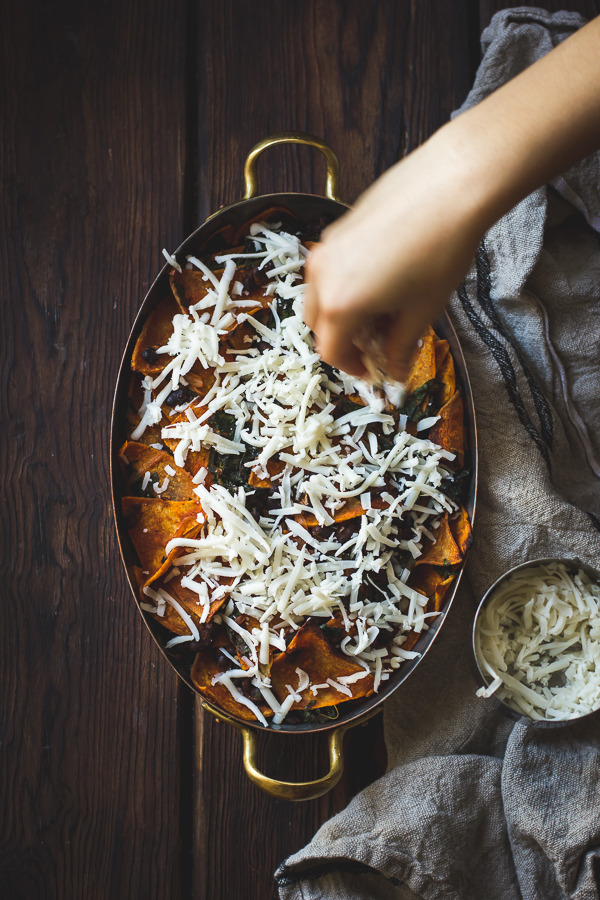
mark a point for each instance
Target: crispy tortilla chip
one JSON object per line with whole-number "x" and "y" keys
{"x": 242, "y": 651}
{"x": 171, "y": 620}
{"x": 200, "y": 379}
{"x": 135, "y": 398}
{"x": 198, "y": 459}
{"x": 236, "y": 340}
{"x": 195, "y": 459}
{"x": 432, "y": 583}
{"x": 444, "y": 374}
{"x": 411, "y": 639}
{"x": 206, "y": 668}
{"x": 437, "y": 600}
{"x": 337, "y": 624}
{"x": 442, "y": 349}
{"x": 422, "y": 367}
{"x": 274, "y": 467}
{"x": 350, "y": 510}
{"x": 461, "y": 530}
{"x": 449, "y": 430}
{"x": 189, "y": 598}
{"x": 191, "y": 286}
{"x": 311, "y": 652}
{"x": 157, "y": 330}
{"x": 444, "y": 551}
{"x": 152, "y": 524}
{"x": 142, "y": 459}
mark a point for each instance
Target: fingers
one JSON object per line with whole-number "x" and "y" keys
{"x": 334, "y": 337}
{"x": 334, "y": 328}
{"x": 400, "y": 341}
{"x": 369, "y": 305}
{"x": 311, "y": 305}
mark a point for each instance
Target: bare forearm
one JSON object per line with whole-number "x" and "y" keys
{"x": 533, "y": 128}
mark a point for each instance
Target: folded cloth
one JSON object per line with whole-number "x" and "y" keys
{"x": 474, "y": 805}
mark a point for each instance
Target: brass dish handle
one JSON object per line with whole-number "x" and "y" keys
{"x": 292, "y": 790}
{"x": 292, "y": 137}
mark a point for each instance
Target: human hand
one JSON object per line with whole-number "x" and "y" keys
{"x": 387, "y": 268}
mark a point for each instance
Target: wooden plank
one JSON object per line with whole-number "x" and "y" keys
{"x": 91, "y": 157}
{"x": 372, "y": 79}
{"x": 375, "y": 80}
{"x": 241, "y": 833}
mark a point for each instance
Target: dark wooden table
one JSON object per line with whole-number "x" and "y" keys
{"x": 123, "y": 125}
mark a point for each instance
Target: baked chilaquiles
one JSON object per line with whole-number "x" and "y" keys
{"x": 296, "y": 530}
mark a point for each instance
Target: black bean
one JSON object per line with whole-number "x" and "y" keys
{"x": 178, "y": 397}
{"x": 150, "y": 355}
{"x": 252, "y": 278}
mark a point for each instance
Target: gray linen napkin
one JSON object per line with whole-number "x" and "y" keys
{"x": 473, "y": 805}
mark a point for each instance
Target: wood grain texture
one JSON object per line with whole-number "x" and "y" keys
{"x": 123, "y": 125}
{"x": 373, "y": 79}
{"x": 91, "y": 162}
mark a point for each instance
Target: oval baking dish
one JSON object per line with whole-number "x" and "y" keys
{"x": 307, "y": 208}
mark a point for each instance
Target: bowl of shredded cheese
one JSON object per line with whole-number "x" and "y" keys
{"x": 536, "y": 640}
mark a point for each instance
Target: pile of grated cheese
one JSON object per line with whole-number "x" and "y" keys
{"x": 282, "y": 400}
{"x": 538, "y": 639}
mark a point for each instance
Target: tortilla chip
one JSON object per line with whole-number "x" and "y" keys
{"x": 199, "y": 379}
{"x": 171, "y": 620}
{"x": 242, "y": 651}
{"x": 236, "y": 340}
{"x": 206, "y": 668}
{"x": 195, "y": 459}
{"x": 411, "y": 639}
{"x": 436, "y": 602}
{"x": 430, "y": 582}
{"x": 444, "y": 551}
{"x": 350, "y": 510}
{"x": 191, "y": 286}
{"x": 460, "y": 527}
{"x": 189, "y": 598}
{"x": 449, "y": 430}
{"x": 274, "y": 467}
{"x": 152, "y": 524}
{"x": 310, "y": 651}
{"x": 445, "y": 374}
{"x": 422, "y": 367}
{"x": 157, "y": 330}
{"x": 142, "y": 458}
{"x": 135, "y": 398}
{"x": 442, "y": 349}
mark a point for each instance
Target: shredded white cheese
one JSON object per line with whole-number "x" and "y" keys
{"x": 538, "y": 642}
{"x": 283, "y": 403}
